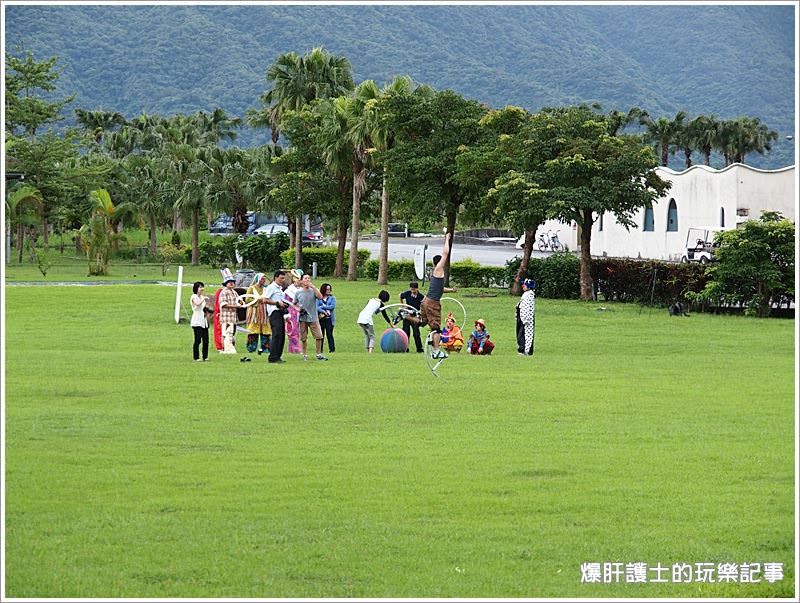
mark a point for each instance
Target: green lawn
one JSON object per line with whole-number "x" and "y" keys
{"x": 630, "y": 437}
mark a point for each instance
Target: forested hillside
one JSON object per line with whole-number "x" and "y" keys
{"x": 726, "y": 60}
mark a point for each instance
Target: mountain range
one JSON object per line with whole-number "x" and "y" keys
{"x": 729, "y": 60}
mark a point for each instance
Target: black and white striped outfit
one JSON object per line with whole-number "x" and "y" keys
{"x": 526, "y": 322}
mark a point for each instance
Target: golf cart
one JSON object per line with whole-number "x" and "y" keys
{"x": 700, "y": 245}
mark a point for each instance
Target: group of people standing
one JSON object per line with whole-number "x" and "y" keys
{"x": 280, "y": 313}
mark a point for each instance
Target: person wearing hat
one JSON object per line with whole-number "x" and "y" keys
{"x": 228, "y": 304}
{"x": 258, "y": 329}
{"x": 479, "y": 342}
{"x": 526, "y": 317}
{"x": 452, "y": 340}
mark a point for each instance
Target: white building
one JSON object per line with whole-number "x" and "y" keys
{"x": 700, "y": 197}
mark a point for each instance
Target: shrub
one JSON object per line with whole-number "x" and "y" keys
{"x": 220, "y": 251}
{"x": 402, "y": 270}
{"x": 263, "y": 253}
{"x": 633, "y": 280}
{"x": 468, "y": 273}
{"x": 325, "y": 257}
{"x": 557, "y": 276}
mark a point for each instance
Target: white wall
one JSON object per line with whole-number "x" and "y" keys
{"x": 699, "y": 193}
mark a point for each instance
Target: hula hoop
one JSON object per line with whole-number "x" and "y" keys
{"x": 393, "y": 310}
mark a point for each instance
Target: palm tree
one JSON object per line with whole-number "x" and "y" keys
{"x": 99, "y": 233}
{"x": 357, "y": 110}
{"x": 383, "y": 138}
{"x": 18, "y": 202}
{"x": 337, "y": 152}
{"x": 745, "y": 135}
{"x": 706, "y": 131}
{"x": 98, "y": 122}
{"x": 296, "y": 82}
{"x": 687, "y": 139}
{"x": 663, "y": 133}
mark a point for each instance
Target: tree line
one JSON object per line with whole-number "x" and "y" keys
{"x": 407, "y": 148}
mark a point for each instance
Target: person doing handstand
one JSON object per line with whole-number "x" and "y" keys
{"x": 430, "y": 312}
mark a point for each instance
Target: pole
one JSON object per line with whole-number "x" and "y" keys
{"x": 178, "y": 296}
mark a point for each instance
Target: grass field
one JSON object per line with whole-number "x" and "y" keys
{"x": 629, "y": 437}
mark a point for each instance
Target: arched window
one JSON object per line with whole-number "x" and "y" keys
{"x": 600, "y": 226}
{"x": 672, "y": 217}
{"x": 722, "y": 217}
{"x": 649, "y": 224}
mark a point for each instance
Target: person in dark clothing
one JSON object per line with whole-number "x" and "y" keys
{"x": 412, "y": 298}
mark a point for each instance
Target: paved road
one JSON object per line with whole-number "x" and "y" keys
{"x": 487, "y": 255}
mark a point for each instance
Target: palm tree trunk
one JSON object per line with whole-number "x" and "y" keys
{"x": 688, "y": 154}
{"x": 383, "y": 261}
{"x": 298, "y": 240}
{"x": 116, "y": 229}
{"x": 664, "y": 153}
{"x": 342, "y": 243}
{"x": 8, "y": 239}
{"x": 195, "y": 236}
{"x": 527, "y": 250}
{"x": 20, "y": 240}
{"x": 153, "y": 238}
{"x": 359, "y": 178}
{"x": 209, "y": 217}
{"x": 586, "y": 256}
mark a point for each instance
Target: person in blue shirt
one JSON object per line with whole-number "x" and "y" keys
{"x": 327, "y": 315}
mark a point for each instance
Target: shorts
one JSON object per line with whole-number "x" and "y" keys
{"x": 431, "y": 313}
{"x": 316, "y": 331}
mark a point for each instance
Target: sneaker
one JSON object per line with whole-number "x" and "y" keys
{"x": 305, "y": 357}
{"x": 197, "y": 360}
{"x": 321, "y": 357}
{"x": 439, "y": 354}
{"x": 245, "y": 359}
{"x": 281, "y": 361}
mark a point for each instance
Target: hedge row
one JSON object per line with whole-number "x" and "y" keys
{"x": 325, "y": 257}
{"x": 641, "y": 281}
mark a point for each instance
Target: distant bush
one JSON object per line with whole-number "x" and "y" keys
{"x": 263, "y": 253}
{"x": 632, "y": 281}
{"x": 325, "y": 257}
{"x": 402, "y": 270}
{"x": 469, "y": 273}
{"x": 557, "y": 276}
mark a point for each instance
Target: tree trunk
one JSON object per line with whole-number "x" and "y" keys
{"x": 664, "y": 153}
{"x": 292, "y": 230}
{"x": 209, "y": 218}
{"x": 78, "y": 244}
{"x": 20, "y": 240}
{"x": 707, "y": 156}
{"x": 342, "y": 243}
{"x": 46, "y": 230}
{"x": 298, "y": 240}
{"x": 359, "y": 177}
{"x": 451, "y": 228}
{"x": 527, "y": 250}
{"x": 195, "y": 236}
{"x": 116, "y": 229}
{"x": 688, "y": 154}
{"x": 153, "y": 238}
{"x": 8, "y": 239}
{"x": 383, "y": 257}
{"x": 586, "y": 255}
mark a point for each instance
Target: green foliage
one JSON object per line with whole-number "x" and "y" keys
{"x": 325, "y": 257}
{"x": 219, "y": 251}
{"x": 43, "y": 262}
{"x": 755, "y": 267}
{"x": 176, "y": 238}
{"x": 167, "y": 253}
{"x": 469, "y": 273}
{"x": 400, "y": 270}
{"x": 556, "y": 276}
{"x": 263, "y": 253}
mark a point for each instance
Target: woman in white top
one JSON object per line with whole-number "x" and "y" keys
{"x": 373, "y": 306}
{"x": 199, "y": 322}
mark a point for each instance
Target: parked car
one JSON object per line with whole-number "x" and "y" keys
{"x": 270, "y": 230}
{"x": 398, "y": 229}
{"x": 312, "y": 239}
